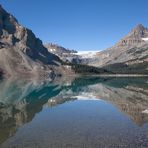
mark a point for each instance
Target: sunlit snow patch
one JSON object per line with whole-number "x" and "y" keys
{"x": 86, "y": 54}
{"x": 86, "y": 97}
{"x": 145, "y": 111}
{"x": 145, "y": 39}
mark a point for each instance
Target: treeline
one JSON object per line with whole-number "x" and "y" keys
{"x": 121, "y": 68}
{"x": 85, "y": 69}
{"x": 1, "y": 73}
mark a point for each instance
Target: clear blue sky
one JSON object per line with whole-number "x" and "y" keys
{"x": 79, "y": 24}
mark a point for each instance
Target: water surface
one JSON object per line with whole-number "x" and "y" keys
{"x": 85, "y": 112}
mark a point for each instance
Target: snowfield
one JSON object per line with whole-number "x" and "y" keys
{"x": 87, "y": 54}
{"x": 145, "y": 39}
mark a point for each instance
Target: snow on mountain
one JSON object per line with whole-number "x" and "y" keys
{"x": 145, "y": 39}
{"x": 86, "y": 54}
{"x": 145, "y": 111}
{"x": 87, "y": 98}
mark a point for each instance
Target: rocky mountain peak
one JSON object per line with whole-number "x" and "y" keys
{"x": 20, "y": 50}
{"x": 8, "y": 23}
{"x": 130, "y": 50}
{"x": 2, "y": 10}
{"x": 140, "y": 31}
{"x": 135, "y": 37}
{"x": 139, "y": 27}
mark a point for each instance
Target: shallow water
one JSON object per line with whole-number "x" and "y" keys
{"x": 86, "y": 112}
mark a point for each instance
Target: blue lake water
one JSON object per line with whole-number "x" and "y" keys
{"x": 84, "y": 112}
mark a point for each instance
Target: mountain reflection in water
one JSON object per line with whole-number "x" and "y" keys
{"x": 20, "y": 100}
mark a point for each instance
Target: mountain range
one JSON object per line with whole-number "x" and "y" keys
{"x": 128, "y": 56}
{"x": 23, "y": 54}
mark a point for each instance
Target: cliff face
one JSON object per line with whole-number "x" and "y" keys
{"x": 21, "y": 52}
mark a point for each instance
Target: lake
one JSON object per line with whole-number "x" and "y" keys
{"x": 82, "y": 112}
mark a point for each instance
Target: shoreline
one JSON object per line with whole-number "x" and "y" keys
{"x": 72, "y": 76}
{"x": 125, "y": 75}
{"x": 116, "y": 75}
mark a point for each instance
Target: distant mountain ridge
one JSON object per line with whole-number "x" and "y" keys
{"x": 63, "y": 53}
{"x": 68, "y": 55}
{"x": 57, "y": 49}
